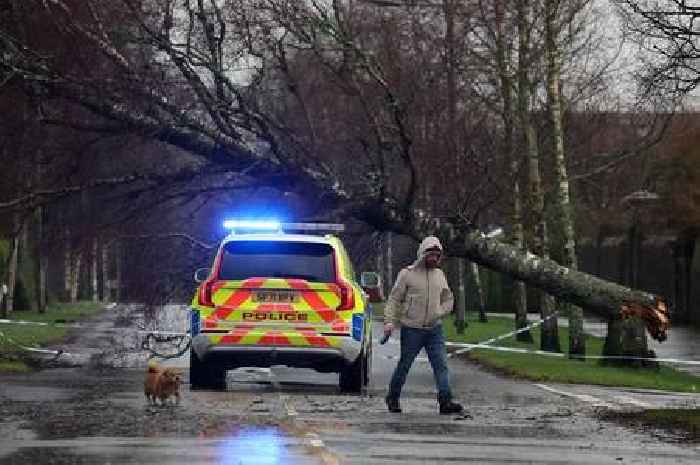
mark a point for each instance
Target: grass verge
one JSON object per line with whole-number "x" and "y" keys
{"x": 39, "y": 336}
{"x": 562, "y": 369}
{"x": 680, "y": 422}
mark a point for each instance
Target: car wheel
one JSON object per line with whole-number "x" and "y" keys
{"x": 356, "y": 376}
{"x": 205, "y": 375}
{"x": 368, "y": 367}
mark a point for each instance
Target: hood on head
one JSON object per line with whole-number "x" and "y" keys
{"x": 428, "y": 243}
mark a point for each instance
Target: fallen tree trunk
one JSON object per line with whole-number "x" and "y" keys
{"x": 608, "y": 299}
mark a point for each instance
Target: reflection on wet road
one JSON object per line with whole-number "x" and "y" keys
{"x": 258, "y": 445}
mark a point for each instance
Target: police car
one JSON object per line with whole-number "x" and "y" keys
{"x": 281, "y": 294}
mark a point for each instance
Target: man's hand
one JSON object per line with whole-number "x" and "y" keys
{"x": 388, "y": 328}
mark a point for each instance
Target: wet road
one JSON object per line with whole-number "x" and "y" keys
{"x": 96, "y": 413}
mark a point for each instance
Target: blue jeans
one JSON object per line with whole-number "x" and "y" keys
{"x": 412, "y": 341}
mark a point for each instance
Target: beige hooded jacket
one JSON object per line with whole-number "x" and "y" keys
{"x": 421, "y": 296}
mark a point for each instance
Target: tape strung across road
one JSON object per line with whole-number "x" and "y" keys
{"x": 167, "y": 336}
{"x": 56, "y": 353}
{"x": 150, "y": 336}
{"x": 463, "y": 348}
{"x": 102, "y": 330}
{"x": 485, "y": 344}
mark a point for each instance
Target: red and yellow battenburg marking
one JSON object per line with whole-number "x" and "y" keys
{"x": 239, "y": 319}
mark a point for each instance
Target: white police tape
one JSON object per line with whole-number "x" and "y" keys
{"x": 468, "y": 347}
{"x": 150, "y": 336}
{"x": 462, "y": 347}
{"x": 56, "y": 353}
{"x": 101, "y": 330}
{"x": 520, "y": 330}
{"x": 37, "y": 323}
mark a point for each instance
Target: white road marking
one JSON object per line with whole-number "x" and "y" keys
{"x": 313, "y": 440}
{"x": 582, "y": 397}
{"x": 288, "y": 406}
{"x": 632, "y": 401}
{"x": 273, "y": 379}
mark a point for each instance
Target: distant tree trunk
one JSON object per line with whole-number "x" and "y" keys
{"x": 42, "y": 255}
{"x": 478, "y": 288}
{"x": 105, "y": 272}
{"x": 460, "y": 301}
{"x": 683, "y": 252}
{"x": 389, "y": 259}
{"x": 75, "y": 278}
{"x": 529, "y": 141}
{"x": 93, "y": 271}
{"x": 449, "y": 7}
{"x": 577, "y": 340}
{"x": 517, "y": 238}
{"x": 118, "y": 267}
{"x": 67, "y": 265}
{"x": 625, "y": 338}
{"x": 12, "y": 270}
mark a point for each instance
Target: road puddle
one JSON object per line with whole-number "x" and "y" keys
{"x": 265, "y": 445}
{"x": 254, "y": 445}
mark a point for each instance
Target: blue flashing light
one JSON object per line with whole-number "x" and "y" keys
{"x": 358, "y": 325}
{"x": 195, "y": 324}
{"x": 253, "y": 225}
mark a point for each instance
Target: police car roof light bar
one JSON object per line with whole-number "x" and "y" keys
{"x": 319, "y": 227}
{"x": 252, "y": 225}
{"x": 275, "y": 226}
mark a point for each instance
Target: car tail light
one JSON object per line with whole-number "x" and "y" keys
{"x": 205, "y": 294}
{"x": 347, "y": 296}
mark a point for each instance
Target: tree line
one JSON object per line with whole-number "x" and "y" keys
{"x": 411, "y": 117}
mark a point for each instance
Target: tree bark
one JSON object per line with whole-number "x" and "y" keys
{"x": 577, "y": 340}
{"x": 75, "y": 277}
{"x": 683, "y": 252}
{"x": 517, "y": 238}
{"x": 12, "y": 271}
{"x": 118, "y": 272}
{"x": 625, "y": 338}
{"x": 42, "y": 260}
{"x": 93, "y": 271}
{"x": 605, "y": 298}
{"x": 460, "y": 300}
{"x": 389, "y": 260}
{"x": 478, "y": 288}
{"x": 67, "y": 265}
{"x": 529, "y": 141}
{"x": 105, "y": 272}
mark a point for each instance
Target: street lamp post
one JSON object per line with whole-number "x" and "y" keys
{"x": 637, "y": 201}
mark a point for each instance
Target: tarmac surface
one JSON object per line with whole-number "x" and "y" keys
{"x": 89, "y": 408}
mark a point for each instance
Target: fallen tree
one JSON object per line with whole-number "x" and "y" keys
{"x": 229, "y": 125}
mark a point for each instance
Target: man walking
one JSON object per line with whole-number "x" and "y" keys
{"x": 419, "y": 299}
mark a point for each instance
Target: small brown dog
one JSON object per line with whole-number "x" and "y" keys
{"x": 161, "y": 383}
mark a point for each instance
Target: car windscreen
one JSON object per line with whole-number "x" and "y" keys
{"x": 277, "y": 259}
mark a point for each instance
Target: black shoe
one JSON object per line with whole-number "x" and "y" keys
{"x": 447, "y": 407}
{"x": 392, "y": 403}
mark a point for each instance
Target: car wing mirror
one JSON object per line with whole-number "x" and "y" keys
{"x": 369, "y": 280}
{"x": 371, "y": 283}
{"x": 201, "y": 275}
